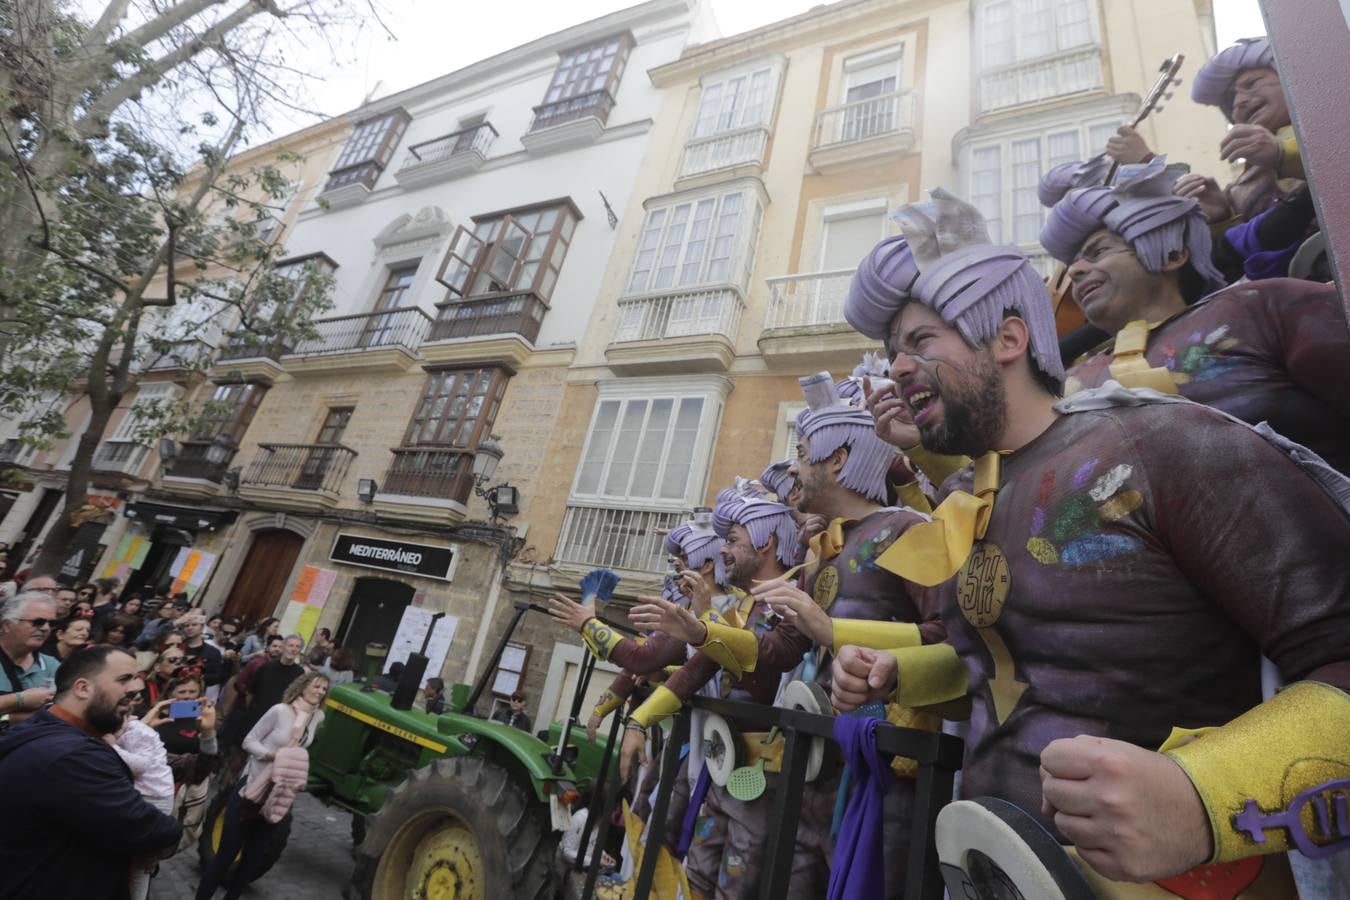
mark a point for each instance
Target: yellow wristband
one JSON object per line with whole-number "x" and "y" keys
{"x": 1290, "y": 163}
{"x": 1271, "y": 778}
{"x": 600, "y": 638}
{"x": 932, "y": 675}
{"x": 874, "y": 634}
{"x": 608, "y": 702}
{"x": 658, "y": 706}
{"x": 734, "y": 649}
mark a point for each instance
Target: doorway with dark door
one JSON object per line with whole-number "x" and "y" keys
{"x": 372, "y": 615}
{"x": 263, "y": 575}
{"x": 153, "y": 574}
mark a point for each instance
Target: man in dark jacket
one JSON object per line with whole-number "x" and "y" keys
{"x": 83, "y": 824}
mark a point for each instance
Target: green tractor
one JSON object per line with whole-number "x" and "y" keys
{"x": 446, "y": 807}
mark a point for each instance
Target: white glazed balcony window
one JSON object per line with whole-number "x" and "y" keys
{"x": 1035, "y": 50}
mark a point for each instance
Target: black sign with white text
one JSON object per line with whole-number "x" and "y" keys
{"x": 394, "y": 556}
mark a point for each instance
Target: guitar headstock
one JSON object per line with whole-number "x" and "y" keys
{"x": 1162, "y": 88}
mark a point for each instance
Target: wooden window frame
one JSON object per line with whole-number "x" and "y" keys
{"x": 521, "y": 672}
{"x": 233, "y": 424}
{"x": 394, "y": 123}
{"x": 612, "y": 77}
{"x": 470, "y": 255}
{"x": 485, "y": 418}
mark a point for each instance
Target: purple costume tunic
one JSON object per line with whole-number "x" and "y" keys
{"x": 1153, "y": 554}
{"x": 1276, "y": 351}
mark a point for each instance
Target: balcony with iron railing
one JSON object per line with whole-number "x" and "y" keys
{"x": 449, "y": 156}
{"x": 864, "y": 130}
{"x": 617, "y": 538}
{"x": 244, "y": 345}
{"x": 199, "y": 460}
{"x": 691, "y": 330}
{"x": 388, "y": 339}
{"x": 805, "y": 322}
{"x": 428, "y": 484}
{"x": 1069, "y": 73}
{"x": 742, "y": 149}
{"x": 304, "y": 475}
{"x": 121, "y": 457}
{"x": 572, "y": 122}
{"x": 493, "y": 326}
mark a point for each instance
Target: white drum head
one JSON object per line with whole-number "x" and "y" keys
{"x": 990, "y": 849}
{"x": 808, "y": 696}
{"x": 718, "y": 748}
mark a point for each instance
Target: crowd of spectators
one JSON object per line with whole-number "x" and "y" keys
{"x": 142, "y": 707}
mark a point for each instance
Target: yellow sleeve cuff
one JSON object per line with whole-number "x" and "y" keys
{"x": 936, "y": 466}
{"x": 875, "y": 635}
{"x": 1290, "y": 164}
{"x": 734, "y": 649}
{"x": 661, "y": 704}
{"x": 608, "y": 702}
{"x": 932, "y": 676}
{"x": 1270, "y": 779}
{"x": 600, "y": 638}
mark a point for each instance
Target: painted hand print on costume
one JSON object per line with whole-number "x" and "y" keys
{"x": 1067, "y": 532}
{"x": 1201, "y": 359}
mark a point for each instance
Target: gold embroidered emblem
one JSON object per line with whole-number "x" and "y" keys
{"x": 826, "y": 587}
{"x": 982, "y": 584}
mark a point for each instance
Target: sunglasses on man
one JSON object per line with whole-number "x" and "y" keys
{"x": 39, "y": 622}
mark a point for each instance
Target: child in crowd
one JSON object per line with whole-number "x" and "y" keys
{"x": 142, "y": 749}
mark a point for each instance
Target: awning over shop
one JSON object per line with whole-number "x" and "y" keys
{"x": 180, "y": 516}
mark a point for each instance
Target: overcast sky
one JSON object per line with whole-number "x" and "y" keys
{"x": 432, "y": 37}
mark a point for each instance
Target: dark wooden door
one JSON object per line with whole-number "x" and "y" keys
{"x": 373, "y": 613}
{"x": 263, "y": 576}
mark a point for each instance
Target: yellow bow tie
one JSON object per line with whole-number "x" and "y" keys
{"x": 823, "y": 546}
{"x": 931, "y": 552}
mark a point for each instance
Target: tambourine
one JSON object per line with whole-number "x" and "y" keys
{"x": 989, "y": 849}
{"x": 719, "y": 747}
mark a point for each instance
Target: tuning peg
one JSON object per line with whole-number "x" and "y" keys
{"x": 1167, "y": 96}
{"x": 1158, "y": 108}
{"x": 1176, "y": 81}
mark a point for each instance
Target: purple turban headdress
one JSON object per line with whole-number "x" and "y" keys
{"x": 825, "y": 427}
{"x": 697, "y": 543}
{"x": 778, "y": 479}
{"x": 879, "y": 288}
{"x": 970, "y": 282}
{"x": 1067, "y": 176}
{"x": 1141, "y": 208}
{"x": 762, "y": 519}
{"x": 742, "y": 489}
{"x": 1215, "y": 79}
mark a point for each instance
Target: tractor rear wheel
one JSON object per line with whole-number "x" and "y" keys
{"x": 462, "y": 828}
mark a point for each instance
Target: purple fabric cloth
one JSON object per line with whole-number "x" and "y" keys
{"x": 1258, "y": 261}
{"x": 879, "y": 287}
{"x": 1215, "y": 78}
{"x": 858, "y": 871}
{"x": 691, "y": 813}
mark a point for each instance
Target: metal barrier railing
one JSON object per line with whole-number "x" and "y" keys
{"x": 938, "y": 755}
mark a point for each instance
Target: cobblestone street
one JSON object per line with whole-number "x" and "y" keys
{"x": 317, "y": 863}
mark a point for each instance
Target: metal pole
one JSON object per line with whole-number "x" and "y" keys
{"x": 786, "y": 816}
{"x": 656, "y": 826}
{"x": 597, "y": 805}
{"x": 496, "y": 658}
{"x": 923, "y": 876}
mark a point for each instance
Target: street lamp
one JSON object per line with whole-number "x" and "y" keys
{"x": 502, "y": 499}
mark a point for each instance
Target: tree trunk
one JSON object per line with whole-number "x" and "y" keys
{"x": 56, "y": 544}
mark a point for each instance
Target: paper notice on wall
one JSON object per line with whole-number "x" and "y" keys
{"x": 312, "y": 586}
{"x": 309, "y": 617}
{"x": 130, "y": 554}
{"x": 190, "y": 570}
{"x": 412, "y": 631}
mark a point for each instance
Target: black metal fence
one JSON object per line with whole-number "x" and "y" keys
{"x": 938, "y": 755}
{"x": 306, "y": 467}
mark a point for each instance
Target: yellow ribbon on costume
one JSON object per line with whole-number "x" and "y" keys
{"x": 669, "y": 881}
{"x": 931, "y": 552}
{"x": 823, "y": 546}
{"x": 1130, "y": 367}
{"x": 731, "y": 647}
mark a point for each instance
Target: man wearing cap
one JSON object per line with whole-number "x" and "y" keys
{"x": 1114, "y": 566}
{"x": 760, "y": 540}
{"x": 1271, "y": 351}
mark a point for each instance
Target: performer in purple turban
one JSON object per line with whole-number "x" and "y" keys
{"x": 760, "y": 538}
{"x": 1272, "y": 351}
{"x": 779, "y": 481}
{"x": 1111, "y": 566}
{"x": 1242, "y": 81}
